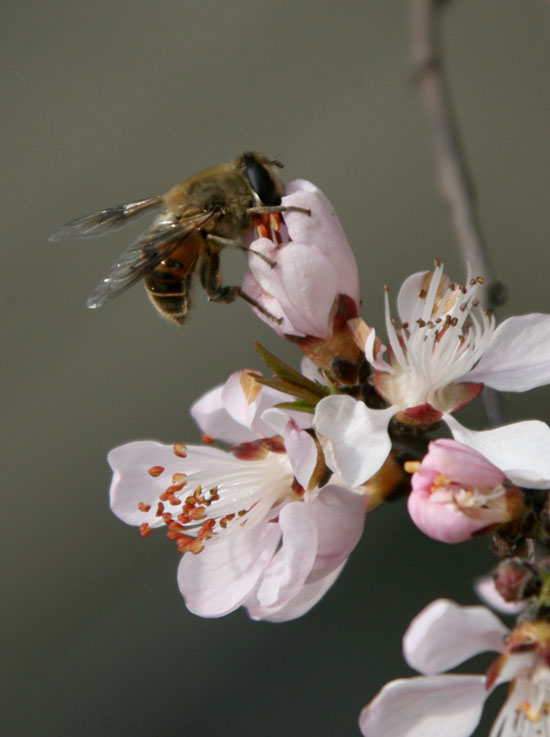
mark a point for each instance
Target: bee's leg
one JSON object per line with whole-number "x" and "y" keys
{"x": 224, "y": 242}
{"x": 211, "y": 281}
{"x": 267, "y": 209}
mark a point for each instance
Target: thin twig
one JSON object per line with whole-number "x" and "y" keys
{"x": 455, "y": 179}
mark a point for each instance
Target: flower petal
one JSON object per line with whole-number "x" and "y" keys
{"x": 461, "y": 463}
{"x": 324, "y": 231}
{"x": 354, "y": 437}
{"x": 409, "y": 306}
{"x": 212, "y": 417}
{"x": 292, "y": 563}
{"x": 302, "y": 602}
{"x": 445, "y": 634}
{"x": 220, "y": 578}
{"x": 302, "y": 453}
{"x": 133, "y": 483}
{"x": 518, "y": 356}
{"x": 521, "y": 450}
{"x": 339, "y": 516}
{"x": 445, "y": 522}
{"x": 426, "y": 706}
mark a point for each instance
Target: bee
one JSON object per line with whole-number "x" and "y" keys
{"x": 199, "y": 218}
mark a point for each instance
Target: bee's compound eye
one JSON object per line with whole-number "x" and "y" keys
{"x": 262, "y": 183}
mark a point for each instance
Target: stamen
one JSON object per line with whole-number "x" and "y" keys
{"x": 155, "y": 471}
{"x": 180, "y": 450}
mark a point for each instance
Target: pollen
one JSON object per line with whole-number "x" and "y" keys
{"x": 155, "y": 471}
{"x": 180, "y": 450}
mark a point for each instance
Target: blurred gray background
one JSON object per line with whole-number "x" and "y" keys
{"x": 107, "y": 102}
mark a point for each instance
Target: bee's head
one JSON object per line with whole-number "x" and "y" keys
{"x": 263, "y": 177}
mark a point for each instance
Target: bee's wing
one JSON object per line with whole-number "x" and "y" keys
{"x": 103, "y": 221}
{"x": 146, "y": 253}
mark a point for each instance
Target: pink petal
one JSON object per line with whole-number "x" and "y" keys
{"x": 289, "y": 568}
{"x": 426, "y": 706}
{"x": 302, "y": 602}
{"x": 213, "y": 419}
{"x": 354, "y": 437}
{"x": 445, "y": 634}
{"x": 281, "y": 324}
{"x": 220, "y": 578}
{"x": 461, "y": 463}
{"x": 445, "y": 522}
{"x": 521, "y": 450}
{"x": 324, "y": 231}
{"x": 339, "y": 516}
{"x": 302, "y": 453}
{"x": 518, "y": 356}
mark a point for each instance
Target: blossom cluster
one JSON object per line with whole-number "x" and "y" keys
{"x": 267, "y": 511}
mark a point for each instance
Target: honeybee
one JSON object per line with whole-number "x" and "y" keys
{"x": 199, "y": 218}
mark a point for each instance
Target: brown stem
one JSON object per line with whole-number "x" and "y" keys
{"x": 454, "y": 175}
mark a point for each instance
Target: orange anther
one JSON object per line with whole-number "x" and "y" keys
{"x": 144, "y": 507}
{"x": 180, "y": 450}
{"x": 145, "y": 530}
{"x": 155, "y": 471}
{"x": 207, "y": 438}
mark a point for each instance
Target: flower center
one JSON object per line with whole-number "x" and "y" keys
{"x": 445, "y": 337}
{"x": 219, "y": 493}
{"x": 465, "y": 497}
{"x": 527, "y": 708}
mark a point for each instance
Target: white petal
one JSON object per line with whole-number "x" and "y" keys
{"x": 426, "y": 706}
{"x": 521, "y": 450}
{"x": 220, "y": 578}
{"x": 409, "y": 306}
{"x": 307, "y": 597}
{"x": 354, "y": 437}
{"x": 323, "y": 231}
{"x": 132, "y": 482}
{"x": 301, "y": 451}
{"x": 213, "y": 419}
{"x": 288, "y": 570}
{"x": 445, "y": 634}
{"x": 518, "y": 356}
{"x": 339, "y": 516}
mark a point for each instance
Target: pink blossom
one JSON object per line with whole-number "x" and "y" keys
{"x": 446, "y": 348}
{"x": 253, "y": 526}
{"x": 456, "y": 492}
{"x": 315, "y": 266}
{"x": 444, "y": 635}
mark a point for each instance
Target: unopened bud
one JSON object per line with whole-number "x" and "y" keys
{"x": 516, "y": 579}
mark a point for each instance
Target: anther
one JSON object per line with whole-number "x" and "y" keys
{"x": 144, "y": 507}
{"x": 144, "y": 530}
{"x": 207, "y": 439}
{"x": 155, "y": 471}
{"x": 180, "y": 450}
